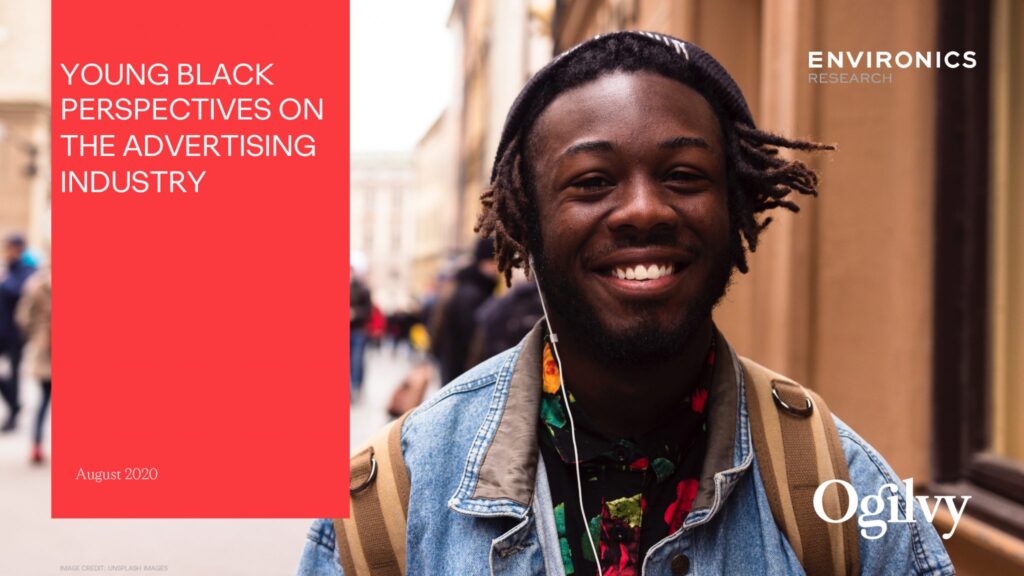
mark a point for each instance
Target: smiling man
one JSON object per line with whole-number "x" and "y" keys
{"x": 623, "y": 435}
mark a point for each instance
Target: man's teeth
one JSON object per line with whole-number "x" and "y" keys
{"x": 641, "y": 272}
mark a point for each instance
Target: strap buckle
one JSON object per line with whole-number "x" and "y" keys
{"x": 803, "y": 412}
{"x": 369, "y": 479}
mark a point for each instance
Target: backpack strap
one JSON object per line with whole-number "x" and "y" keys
{"x": 798, "y": 448}
{"x": 371, "y": 541}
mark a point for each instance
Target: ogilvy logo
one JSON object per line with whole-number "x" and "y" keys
{"x": 874, "y": 507}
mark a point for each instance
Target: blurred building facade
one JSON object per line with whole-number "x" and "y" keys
{"x": 25, "y": 120}
{"x": 499, "y": 45}
{"x": 382, "y": 217}
{"x": 898, "y": 293}
{"x": 436, "y": 168}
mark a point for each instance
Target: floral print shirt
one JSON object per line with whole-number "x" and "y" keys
{"x": 636, "y": 491}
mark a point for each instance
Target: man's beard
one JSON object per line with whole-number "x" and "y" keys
{"x": 647, "y": 341}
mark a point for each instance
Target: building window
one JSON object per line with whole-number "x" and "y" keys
{"x": 978, "y": 365}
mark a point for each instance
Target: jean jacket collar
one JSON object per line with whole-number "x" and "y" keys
{"x": 500, "y": 476}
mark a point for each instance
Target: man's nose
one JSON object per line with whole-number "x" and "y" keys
{"x": 643, "y": 206}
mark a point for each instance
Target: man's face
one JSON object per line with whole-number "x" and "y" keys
{"x": 488, "y": 267}
{"x": 12, "y": 253}
{"x": 630, "y": 177}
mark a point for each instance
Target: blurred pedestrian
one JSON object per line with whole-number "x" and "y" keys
{"x": 503, "y": 321}
{"x": 455, "y": 323}
{"x": 400, "y": 325}
{"x": 419, "y": 338}
{"x": 411, "y": 391}
{"x": 11, "y": 340}
{"x": 429, "y": 303}
{"x": 376, "y": 327}
{"x": 33, "y": 317}
{"x": 360, "y": 304}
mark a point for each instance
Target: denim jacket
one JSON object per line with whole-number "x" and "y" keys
{"x": 480, "y": 502}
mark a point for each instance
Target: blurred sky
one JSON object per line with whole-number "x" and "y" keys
{"x": 401, "y": 71}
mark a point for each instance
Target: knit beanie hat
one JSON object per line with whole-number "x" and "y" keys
{"x": 696, "y": 68}
{"x": 483, "y": 250}
{"x": 15, "y": 239}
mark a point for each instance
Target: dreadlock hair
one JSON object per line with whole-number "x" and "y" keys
{"x": 759, "y": 179}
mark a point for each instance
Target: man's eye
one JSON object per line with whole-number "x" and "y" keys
{"x": 591, "y": 182}
{"x": 684, "y": 176}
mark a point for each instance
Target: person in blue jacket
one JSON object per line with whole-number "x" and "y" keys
{"x": 616, "y": 438}
{"x": 18, "y": 268}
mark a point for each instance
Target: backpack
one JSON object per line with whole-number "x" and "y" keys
{"x": 785, "y": 419}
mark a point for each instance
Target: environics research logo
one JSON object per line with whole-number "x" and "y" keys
{"x": 877, "y": 67}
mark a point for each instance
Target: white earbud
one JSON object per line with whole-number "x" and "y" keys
{"x": 568, "y": 411}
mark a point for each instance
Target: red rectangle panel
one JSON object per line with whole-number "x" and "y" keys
{"x": 199, "y": 324}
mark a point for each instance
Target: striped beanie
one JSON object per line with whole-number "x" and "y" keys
{"x": 691, "y": 65}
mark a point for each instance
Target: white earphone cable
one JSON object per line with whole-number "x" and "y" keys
{"x": 572, "y": 425}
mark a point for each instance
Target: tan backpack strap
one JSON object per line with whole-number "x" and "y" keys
{"x": 371, "y": 541}
{"x": 798, "y": 448}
